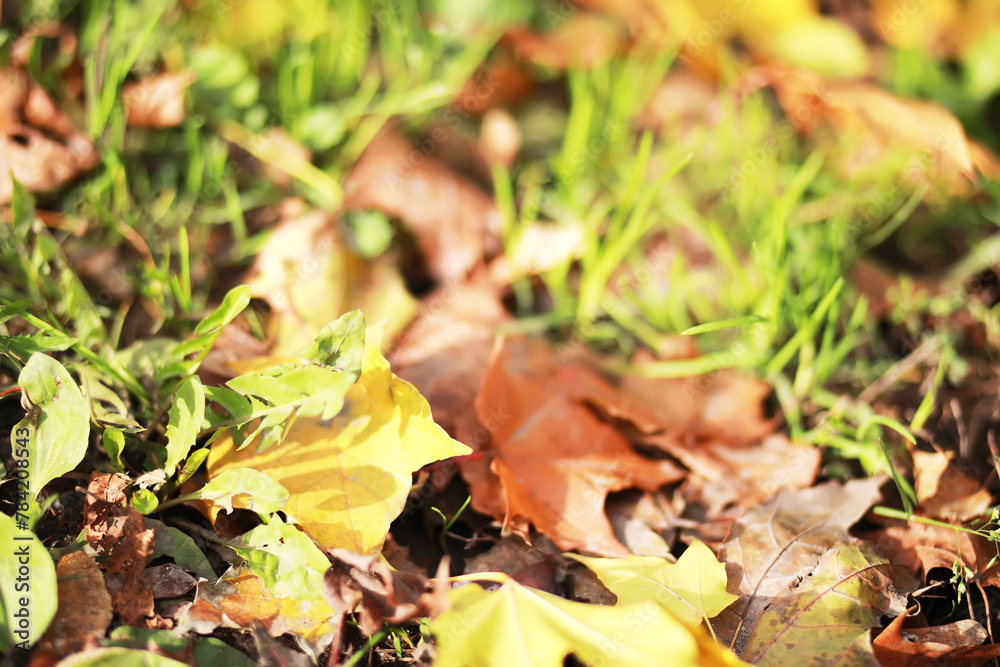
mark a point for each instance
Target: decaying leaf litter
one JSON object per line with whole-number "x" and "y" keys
{"x": 365, "y": 333}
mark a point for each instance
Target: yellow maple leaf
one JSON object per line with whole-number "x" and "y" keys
{"x": 693, "y": 588}
{"x": 348, "y": 478}
{"x": 517, "y": 625}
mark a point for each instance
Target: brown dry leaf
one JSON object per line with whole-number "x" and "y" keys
{"x": 555, "y": 460}
{"x": 920, "y": 547}
{"x": 157, "y": 101}
{"x": 957, "y": 644}
{"x": 446, "y": 350}
{"x": 119, "y": 532}
{"x": 379, "y": 594}
{"x": 84, "y": 612}
{"x": 682, "y": 100}
{"x": 502, "y": 82}
{"x": 20, "y": 53}
{"x": 870, "y": 122}
{"x": 527, "y": 564}
{"x": 779, "y": 542}
{"x": 37, "y": 142}
{"x": 725, "y": 406}
{"x": 947, "y": 492}
{"x": 749, "y": 475}
{"x": 166, "y": 581}
{"x": 240, "y": 598}
{"x": 641, "y": 521}
{"x": 585, "y": 40}
{"x": 714, "y": 425}
{"x": 451, "y": 218}
{"x": 449, "y": 318}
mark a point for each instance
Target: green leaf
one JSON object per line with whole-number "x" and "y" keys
{"x": 208, "y": 651}
{"x": 206, "y": 334}
{"x": 341, "y": 344}
{"x": 288, "y": 561}
{"x": 144, "y": 501}
{"x": 242, "y": 487}
{"x": 212, "y": 652}
{"x": 128, "y": 636}
{"x": 516, "y": 625}
{"x": 184, "y": 421}
{"x": 9, "y": 309}
{"x": 57, "y": 430}
{"x": 191, "y": 466}
{"x": 290, "y": 392}
{"x": 27, "y": 586}
{"x": 114, "y": 445}
{"x": 22, "y": 347}
{"x": 107, "y": 408}
{"x": 179, "y": 546}
{"x": 694, "y": 587}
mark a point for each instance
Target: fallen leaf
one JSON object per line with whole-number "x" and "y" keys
{"x": 240, "y": 598}
{"x": 38, "y": 143}
{"x": 556, "y": 460}
{"x": 776, "y": 545}
{"x": 959, "y": 644}
{"x": 115, "y": 530}
{"x": 501, "y": 82}
{"x": 518, "y": 626}
{"x": 308, "y": 276}
{"x": 683, "y": 101}
{"x": 349, "y": 478}
{"x": 693, "y": 588}
{"x": 947, "y": 492}
{"x": 165, "y": 581}
{"x": 746, "y": 476}
{"x": 725, "y": 406}
{"x": 379, "y": 594}
{"x": 445, "y": 351}
{"x": 920, "y": 547}
{"x": 449, "y": 318}
{"x": 584, "y": 40}
{"x": 285, "y": 558}
{"x": 84, "y": 611}
{"x": 271, "y": 653}
{"x": 876, "y": 121}
{"x": 526, "y": 564}
{"x": 846, "y": 593}
{"x": 646, "y": 523}
{"x": 449, "y": 216}
{"x": 157, "y": 101}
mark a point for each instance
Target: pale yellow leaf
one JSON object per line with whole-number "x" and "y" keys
{"x": 348, "y": 478}
{"x": 516, "y": 625}
{"x": 694, "y": 587}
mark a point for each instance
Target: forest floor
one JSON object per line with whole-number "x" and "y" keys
{"x": 381, "y": 333}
